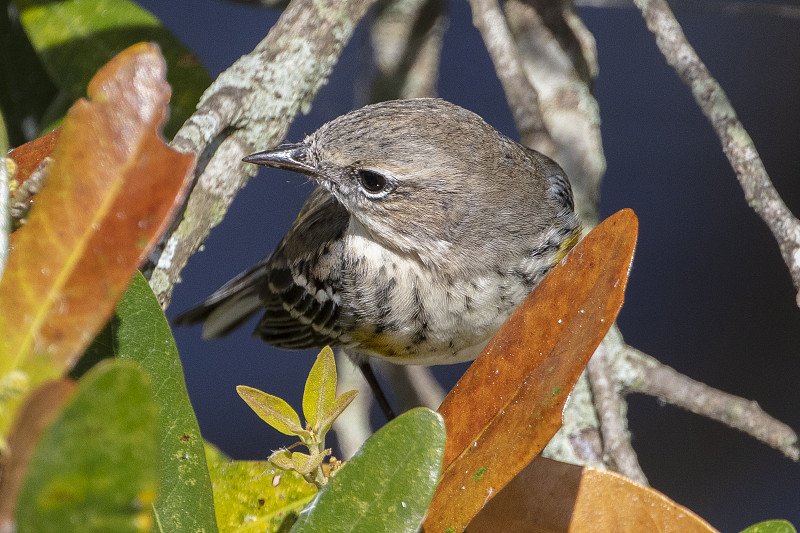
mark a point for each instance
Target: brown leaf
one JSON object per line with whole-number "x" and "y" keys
{"x": 554, "y": 497}
{"x": 28, "y": 156}
{"x": 110, "y": 193}
{"x": 39, "y": 410}
{"x": 508, "y": 405}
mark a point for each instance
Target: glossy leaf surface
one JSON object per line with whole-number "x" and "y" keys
{"x": 41, "y": 407}
{"x": 558, "y": 497}
{"x": 95, "y": 468}
{"x": 139, "y": 331}
{"x": 388, "y": 483}
{"x": 771, "y": 526}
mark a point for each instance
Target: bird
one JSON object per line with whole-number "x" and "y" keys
{"x": 426, "y": 229}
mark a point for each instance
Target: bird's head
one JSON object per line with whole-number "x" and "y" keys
{"x": 425, "y": 177}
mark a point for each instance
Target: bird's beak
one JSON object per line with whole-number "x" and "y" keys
{"x": 286, "y": 156}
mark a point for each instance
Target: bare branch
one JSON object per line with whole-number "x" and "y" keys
{"x": 785, "y": 10}
{"x": 520, "y": 93}
{"x": 644, "y": 374}
{"x": 579, "y": 440}
{"x": 412, "y": 385}
{"x": 353, "y": 426}
{"x": 618, "y": 453}
{"x": 406, "y": 40}
{"x": 252, "y": 105}
{"x": 736, "y": 143}
{"x": 560, "y": 60}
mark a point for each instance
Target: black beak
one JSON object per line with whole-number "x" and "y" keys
{"x": 286, "y": 156}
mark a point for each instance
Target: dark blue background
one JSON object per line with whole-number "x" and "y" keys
{"x": 709, "y": 294}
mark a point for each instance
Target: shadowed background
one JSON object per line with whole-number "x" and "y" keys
{"x": 708, "y": 295}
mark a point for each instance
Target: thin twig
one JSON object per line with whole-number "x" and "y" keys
{"x": 784, "y": 10}
{"x": 644, "y": 374}
{"x": 252, "y": 105}
{"x": 736, "y": 143}
{"x": 521, "y": 95}
{"x": 618, "y": 453}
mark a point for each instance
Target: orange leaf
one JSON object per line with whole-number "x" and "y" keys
{"x": 28, "y": 156}
{"x": 508, "y": 405}
{"x": 558, "y": 497}
{"x": 110, "y": 193}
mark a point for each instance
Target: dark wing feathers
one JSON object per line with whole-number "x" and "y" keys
{"x": 293, "y": 317}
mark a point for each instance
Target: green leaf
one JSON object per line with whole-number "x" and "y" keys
{"x": 281, "y": 459}
{"x": 95, "y": 467}
{"x": 336, "y": 409}
{"x": 320, "y": 391}
{"x": 388, "y": 484}
{"x": 74, "y": 38}
{"x": 272, "y": 410}
{"x": 139, "y": 331}
{"x": 255, "y": 497}
{"x": 771, "y": 526}
{"x": 304, "y": 463}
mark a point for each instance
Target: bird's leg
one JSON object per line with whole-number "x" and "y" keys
{"x": 380, "y": 397}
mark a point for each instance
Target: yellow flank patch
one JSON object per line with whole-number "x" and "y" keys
{"x": 381, "y": 344}
{"x": 567, "y": 245}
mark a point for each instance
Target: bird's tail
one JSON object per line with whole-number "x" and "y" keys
{"x": 228, "y": 307}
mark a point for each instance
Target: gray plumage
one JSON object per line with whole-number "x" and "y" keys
{"x": 427, "y": 229}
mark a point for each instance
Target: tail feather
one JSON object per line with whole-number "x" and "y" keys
{"x": 228, "y": 307}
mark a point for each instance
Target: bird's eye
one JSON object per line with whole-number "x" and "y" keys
{"x": 372, "y": 182}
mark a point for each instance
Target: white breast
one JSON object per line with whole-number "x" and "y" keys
{"x": 409, "y": 313}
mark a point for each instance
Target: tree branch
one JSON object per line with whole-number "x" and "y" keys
{"x": 406, "y": 38}
{"x": 560, "y": 60}
{"x": 618, "y": 453}
{"x": 252, "y": 105}
{"x": 521, "y": 95}
{"x": 644, "y": 374}
{"x": 545, "y": 60}
{"x": 736, "y": 143}
{"x": 353, "y": 426}
{"x": 785, "y": 10}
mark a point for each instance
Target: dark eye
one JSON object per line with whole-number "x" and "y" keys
{"x": 372, "y": 182}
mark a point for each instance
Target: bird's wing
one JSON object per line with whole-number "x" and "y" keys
{"x": 296, "y": 314}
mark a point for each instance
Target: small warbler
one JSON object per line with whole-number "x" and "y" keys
{"x": 427, "y": 229}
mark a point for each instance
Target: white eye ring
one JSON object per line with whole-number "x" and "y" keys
{"x": 373, "y": 184}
